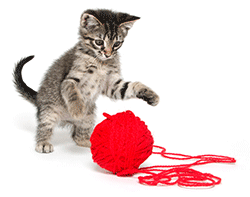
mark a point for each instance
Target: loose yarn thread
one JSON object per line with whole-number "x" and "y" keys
{"x": 122, "y": 142}
{"x": 182, "y": 174}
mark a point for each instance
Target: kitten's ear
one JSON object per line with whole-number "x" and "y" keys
{"x": 125, "y": 26}
{"x": 89, "y": 22}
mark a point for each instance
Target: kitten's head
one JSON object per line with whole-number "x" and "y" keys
{"x": 103, "y": 31}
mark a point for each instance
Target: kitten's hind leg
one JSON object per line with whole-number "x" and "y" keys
{"x": 47, "y": 119}
{"x": 82, "y": 130}
{"x": 81, "y": 136}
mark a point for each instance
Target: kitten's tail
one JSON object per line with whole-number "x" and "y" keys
{"x": 25, "y": 91}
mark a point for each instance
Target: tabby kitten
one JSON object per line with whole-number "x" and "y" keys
{"x": 72, "y": 84}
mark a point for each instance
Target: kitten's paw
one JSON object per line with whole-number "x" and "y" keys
{"x": 77, "y": 110}
{"x": 84, "y": 143}
{"x": 44, "y": 147}
{"x": 149, "y": 96}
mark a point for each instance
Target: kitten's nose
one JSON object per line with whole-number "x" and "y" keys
{"x": 108, "y": 52}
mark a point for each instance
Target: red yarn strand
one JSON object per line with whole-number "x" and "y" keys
{"x": 182, "y": 174}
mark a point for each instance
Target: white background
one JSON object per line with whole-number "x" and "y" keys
{"x": 194, "y": 54}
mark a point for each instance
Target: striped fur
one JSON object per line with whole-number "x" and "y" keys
{"x": 71, "y": 86}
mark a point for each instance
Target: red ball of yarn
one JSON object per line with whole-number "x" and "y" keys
{"x": 121, "y": 143}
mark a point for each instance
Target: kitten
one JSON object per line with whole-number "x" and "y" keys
{"x": 72, "y": 84}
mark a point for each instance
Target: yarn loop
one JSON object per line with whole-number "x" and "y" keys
{"x": 182, "y": 174}
{"x": 122, "y": 142}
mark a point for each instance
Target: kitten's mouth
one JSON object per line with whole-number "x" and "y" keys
{"x": 105, "y": 56}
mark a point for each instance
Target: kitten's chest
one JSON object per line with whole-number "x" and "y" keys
{"x": 92, "y": 74}
{"x": 93, "y": 78}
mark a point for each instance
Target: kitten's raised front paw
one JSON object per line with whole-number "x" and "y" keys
{"x": 149, "y": 96}
{"x": 44, "y": 147}
{"x": 77, "y": 110}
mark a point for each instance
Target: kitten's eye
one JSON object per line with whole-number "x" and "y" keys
{"x": 99, "y": 42}
{"x": 117, "y": 44}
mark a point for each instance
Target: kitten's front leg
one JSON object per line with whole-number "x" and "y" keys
{"x": 119, "y": 89}
{"x": 145, "y": 93}
{"x": 71, "y": 96}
